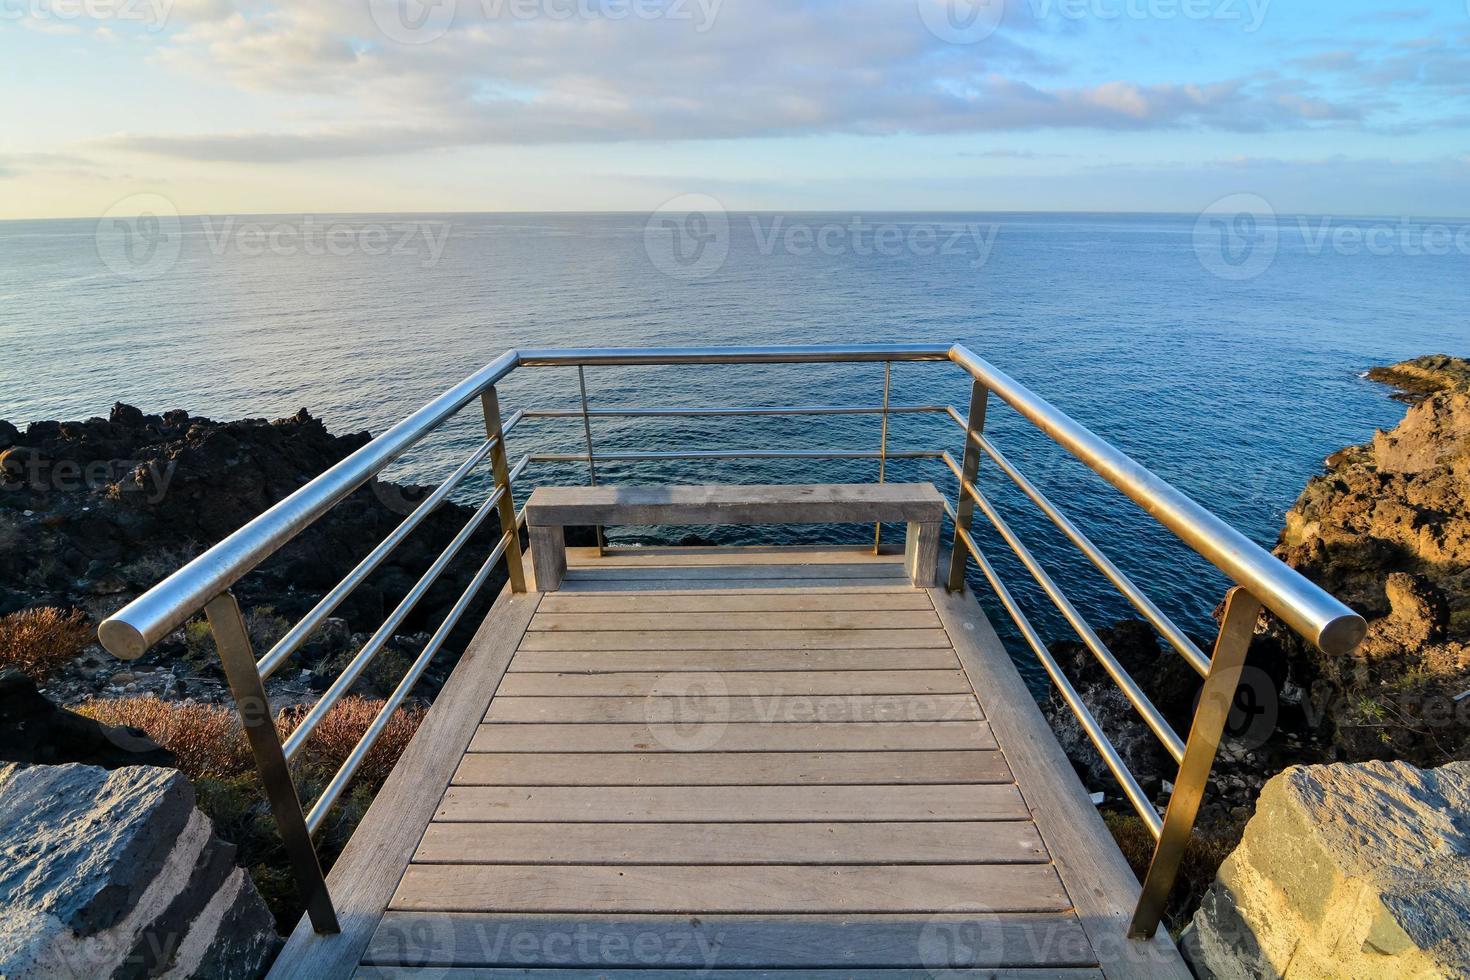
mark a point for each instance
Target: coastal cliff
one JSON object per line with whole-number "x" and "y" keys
{"x": 1387, "y": 530}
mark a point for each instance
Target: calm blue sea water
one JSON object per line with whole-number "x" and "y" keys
{"x": 1228, "y": 376}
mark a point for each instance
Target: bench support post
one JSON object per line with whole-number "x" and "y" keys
{"x": 921, "y": 554}
{"x": 548, "y": 556}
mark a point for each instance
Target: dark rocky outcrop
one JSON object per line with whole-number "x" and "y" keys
{"x": 93, "y": 513}
{"x": 116, "y": 874}
{"x": 1387, "y": 529}
{"x": 33, "y": 730}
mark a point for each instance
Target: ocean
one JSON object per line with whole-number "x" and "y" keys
{"x": 1224, "y": 352}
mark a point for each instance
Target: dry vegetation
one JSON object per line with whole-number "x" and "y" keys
{"x": 38, "y": 642}
{"x": 1207, "y": 849}
{"x": 213, "y": 752}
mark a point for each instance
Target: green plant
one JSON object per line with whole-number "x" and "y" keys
{"x": 38, "y": 642}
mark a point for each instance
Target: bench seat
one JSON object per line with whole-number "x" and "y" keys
{"x": 551, "y": 509}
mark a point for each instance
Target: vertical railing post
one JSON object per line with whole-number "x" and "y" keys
{"x": 883, "y": 446}
{"x": 500, "y": 465}
{"x": 233, "y": 642}
{"x": 965, "y": 505}
{"x": 591, "y": 458}
{"x": 1237, "y": 627}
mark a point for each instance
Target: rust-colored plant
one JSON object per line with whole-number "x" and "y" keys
{"x": 206, "y": 737}
{"x": 38, "y": 642}
{"x": 342, "y": 728}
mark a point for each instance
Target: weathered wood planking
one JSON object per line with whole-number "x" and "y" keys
{"x": 722, "y": 621}
{"x": 1097, "y": 877}
{"x": 956, "y": 842}
{"x": 735, "y": 683}
{"x": 675, "y": 660}
{"x": 731, "y": 804}
{"x": 745, "y": 555}
{"x": 743, "y": 889}
{"x": 365, "y": 874}
{"x": 592, "y": 584}
{"x": 778, "y": 639}
{"x": 703, "y": 704}
{"x": 661, "y": 602}
{"x": 730, "y": 768}
{"x": 599, "y": 973}
{"x": 736, "y": 737}
{"x": 934, "y": 944}
{"x": 856, "y": 571}
{"x": 822, "y": 503}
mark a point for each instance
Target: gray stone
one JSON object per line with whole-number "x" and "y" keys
{"x": 1345, "y": 871}
{"x": 116, "y": 874}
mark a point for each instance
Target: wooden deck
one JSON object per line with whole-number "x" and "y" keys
{"x": 751, "y": 762}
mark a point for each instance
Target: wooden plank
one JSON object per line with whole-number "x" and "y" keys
{"x": 854, "y": 571}
{"x": 806, "y": 973}
{"x": 858, "y": 639}
{"x": 1096, "y": 875}
{"x": 733, "y": 737}
{"x": 730, "y": 768}
{"x": 732, "y": 843}
{"x": 548, "y": 557}
{"x": 721, "y": 602}
{"x": 735, "y": 804}
{"x": 823, "y": 503}
{"x": 815, "y": 585}
{"x": 731, "y": 555}
{"x": 365, "y": 874}
{"x": 672, "y": 661}
{"x": 702, "y": 706}
{"x": 943, "y": 946}
{"x": 711, "y": 621}
{"x": 736, "y": 683}
{"x": 694, "y": 890}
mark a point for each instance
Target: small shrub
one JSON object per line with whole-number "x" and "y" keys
{"x": 206, "y": 737}
{"x": 262, "y": 624}
{"x": 1208, "y": 847}
{"x": 342, "y": 728}
{"x": 38, "y": 642}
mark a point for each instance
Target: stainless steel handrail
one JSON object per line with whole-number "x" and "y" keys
{"x": 1300, "y": 603}
{"x": 205, "y": 583}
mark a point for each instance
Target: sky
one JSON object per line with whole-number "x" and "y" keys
{"x": 1345, "y": 107}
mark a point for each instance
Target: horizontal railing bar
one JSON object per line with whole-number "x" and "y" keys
{"x": 374, "y": 645}
{"x": 807, "y": 354}
{"x": 1171, "y": 632}
{"x": 395, "y": 700}
{"x": 129, "y": 632}
{"x": 1303, "y": 605}
{"x": 1085, "y": 718}
{"x": 568, "y": 413}
{"x": 289, "y": 643}
{"x": 1146, "y": 709}
{"x": 729, "y": 454}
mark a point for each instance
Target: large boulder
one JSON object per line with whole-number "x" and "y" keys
{"x": 1345, "y": 871}
{"x": 34, "y": 730}
{"x": 116, "y": 874}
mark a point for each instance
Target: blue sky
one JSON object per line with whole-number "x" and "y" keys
{"x": 1348, "y": 107}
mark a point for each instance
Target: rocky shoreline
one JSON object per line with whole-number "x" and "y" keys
{"x": 1386, "y": 527}
{"x": 93, "y": 513}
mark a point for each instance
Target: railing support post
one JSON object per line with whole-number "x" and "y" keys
{"x": 965, "y": 506}
{"x": 883, "y": 447}
{"x": 233, "y": 642}
{"x": 500, "y": 465}
{"x": 591, "y": 455}
{"x": 1238, "y": 625}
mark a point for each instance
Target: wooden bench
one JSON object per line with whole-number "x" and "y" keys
{"x": 552, "y": 509}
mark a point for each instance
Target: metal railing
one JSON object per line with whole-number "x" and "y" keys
{"x": 1261, "y": 580}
